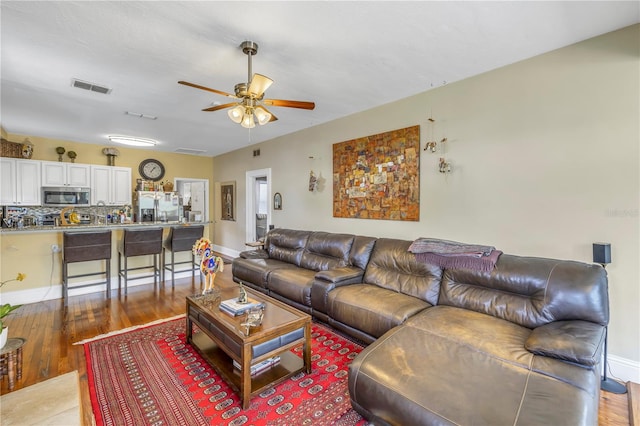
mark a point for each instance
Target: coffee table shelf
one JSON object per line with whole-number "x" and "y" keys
{"x": 290, "y": 364}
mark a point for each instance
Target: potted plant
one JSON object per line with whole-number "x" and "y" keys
{"x": 60, "y": 150}
{"x": 6, "y": 309}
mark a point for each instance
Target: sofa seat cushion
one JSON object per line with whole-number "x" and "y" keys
{"x": 292, "y": 283}
{"x": 374, "y": 309}
{"x": 450, "y": 366}
{"x": 257, "y": 270}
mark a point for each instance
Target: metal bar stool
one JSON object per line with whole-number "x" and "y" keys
{"x": 139, "y": 242}
{"x": 181, "y": 238}
{"x": 84, "y": 247}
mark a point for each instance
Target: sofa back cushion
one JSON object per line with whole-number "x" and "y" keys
{"x": 531, "y": 291}
{"x": 286, "y": 245}
{"x": 326, "y": 251}
{"x": 393, "y": 267}
{"x": 361, "y": 251}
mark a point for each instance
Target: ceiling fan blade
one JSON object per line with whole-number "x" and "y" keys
{"x": 259, "y": 83}
{"x": 289, "y": 104}
{"x": 197, "y": 86}
{"x": 219, "y": 107}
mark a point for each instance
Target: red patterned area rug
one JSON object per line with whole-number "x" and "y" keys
{"x": 149, "y": 376}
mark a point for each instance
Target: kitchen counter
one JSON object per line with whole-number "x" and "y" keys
{"x": 92, "y": 227}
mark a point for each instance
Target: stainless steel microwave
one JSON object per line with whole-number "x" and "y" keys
{"x": 65, "y": 196}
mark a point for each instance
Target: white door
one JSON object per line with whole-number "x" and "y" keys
{"x": 197, "y": 198}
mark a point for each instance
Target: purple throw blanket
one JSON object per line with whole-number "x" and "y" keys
{"x": 452, "y": 254}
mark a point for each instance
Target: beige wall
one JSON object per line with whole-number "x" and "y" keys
{"x": 545, "y": 157}
{"x": 31, "y": 253}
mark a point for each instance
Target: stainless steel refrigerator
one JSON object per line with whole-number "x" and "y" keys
{"x": 153, "y": 206}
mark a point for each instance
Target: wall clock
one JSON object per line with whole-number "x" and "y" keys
{"x": 151, "y": 169}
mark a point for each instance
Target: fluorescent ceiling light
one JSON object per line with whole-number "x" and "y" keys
{"x": 128, "y": 140}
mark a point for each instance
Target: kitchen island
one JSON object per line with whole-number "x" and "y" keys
{"x": 36, "y": 251}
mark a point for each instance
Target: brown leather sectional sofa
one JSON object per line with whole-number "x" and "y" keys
{"x": 519, "y": 345}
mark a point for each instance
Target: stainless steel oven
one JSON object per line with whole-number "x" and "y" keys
{"x": 65, "y": 196}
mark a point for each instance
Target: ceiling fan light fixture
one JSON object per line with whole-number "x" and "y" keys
{"x": 236, "y": 114}
{"x": 262, "y": 115}
{"x": 128, "y": 140}
{"x": 247, "y": 120}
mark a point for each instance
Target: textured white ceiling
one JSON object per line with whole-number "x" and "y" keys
{"x": 345, "y": 56}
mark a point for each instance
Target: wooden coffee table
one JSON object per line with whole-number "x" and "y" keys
{"x": 223, "y": 339}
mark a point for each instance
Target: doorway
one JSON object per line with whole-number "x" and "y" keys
{"x": 258, "y": 193}
{"x": 195, "y": 195}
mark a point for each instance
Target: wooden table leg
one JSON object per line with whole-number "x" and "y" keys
{"x": 19, "y": 361}
{"x": 307, "y": 347}
{"x": 11, "y": 367}
{"x": 245, "y": 374}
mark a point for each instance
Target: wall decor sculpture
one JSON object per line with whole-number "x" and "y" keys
{"x": 378, "y": 176}
{"x": 228, "y": 200}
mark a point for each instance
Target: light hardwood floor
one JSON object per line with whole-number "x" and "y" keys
{"x": 51, "y": 329}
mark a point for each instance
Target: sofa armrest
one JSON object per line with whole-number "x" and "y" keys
{"x": 325, "y": 281}
{"x": 575, "y": 341}
{"x": 346, "y": 274}
{"x": 255, "y": 254}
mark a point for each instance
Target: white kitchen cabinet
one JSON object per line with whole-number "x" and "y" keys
{"x": 110, "y": 184}
{"x": 20, "y": 182}
{"x": 7, "y": 181}
{"x": 65, "y": 174}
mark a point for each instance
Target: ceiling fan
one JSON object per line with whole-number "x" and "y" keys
{"x": 250, "y": 96}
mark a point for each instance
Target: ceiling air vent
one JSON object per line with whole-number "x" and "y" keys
{"x": 90, "y": 86}
{"x": 189, "y": 151}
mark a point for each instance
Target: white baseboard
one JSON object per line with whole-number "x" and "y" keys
{"x": 54, "y": 291}
{"x": 226, "y": 251}
{"x": 623, "y": 369}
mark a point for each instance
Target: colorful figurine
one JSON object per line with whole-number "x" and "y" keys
{"x": 209, "y": 265}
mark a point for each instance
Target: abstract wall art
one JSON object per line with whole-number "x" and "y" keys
{"x": 378, "y": 176}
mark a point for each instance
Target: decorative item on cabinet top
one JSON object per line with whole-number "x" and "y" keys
{"x": 13, "y": 149}
{"x": 167, "y": 186}
{"x": 111, "y": 154}
{"x": 60, "y": 150}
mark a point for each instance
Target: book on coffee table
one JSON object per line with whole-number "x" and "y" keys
{"x": 259, "y": 367}
{"x": 233, "y": 307}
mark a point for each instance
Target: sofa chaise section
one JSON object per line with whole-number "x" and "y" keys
{"x": 520, "y": 345}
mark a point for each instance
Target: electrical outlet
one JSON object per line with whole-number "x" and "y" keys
{"x": 55, "y": 248}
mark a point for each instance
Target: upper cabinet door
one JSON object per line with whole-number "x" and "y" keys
{"x": 28, "y": 191}
{"x": 53, "y": 174}
{"x": 79, "y": 175}
{"x": 65, "y": 174}
{"x": 7, "y": 181}
{"x": 101, "y": 184}
{"x": 121, "y": 185}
